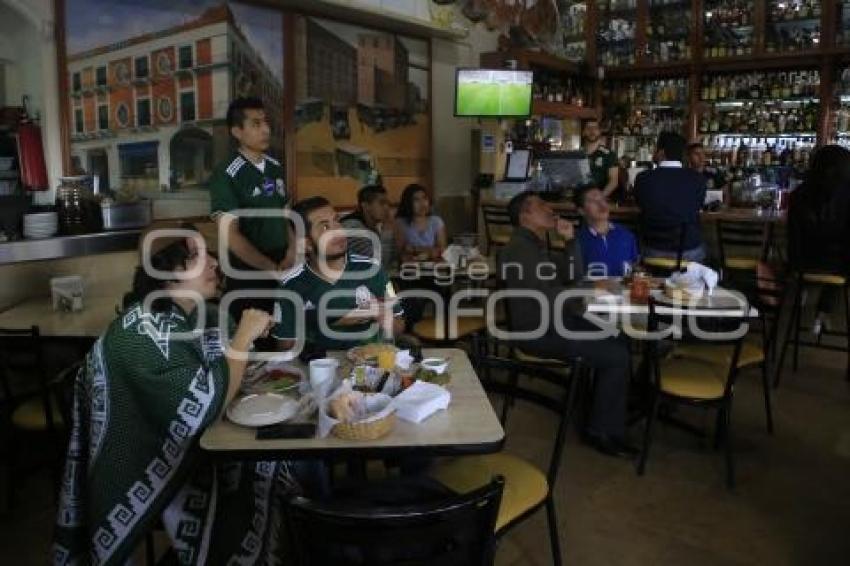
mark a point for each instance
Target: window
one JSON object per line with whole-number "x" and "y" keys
{"x": 139, "y": 162}
{"x": 143, "y": 112}
{"x": 103, "y": 117}
{"x": 100, "y": 76}
{"x": 79, "y": 125}
{"x": 187, "y": 106}
{"x": 122, "y": 115}
{"x": 141, "y": 67}
{"x": 185, "y": 57}
{"x": 77, "y": 82}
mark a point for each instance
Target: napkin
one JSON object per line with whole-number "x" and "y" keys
{"x": 453, "y": 253}
{"x": 420, "y": 401}
{"x": 706, "y": 274}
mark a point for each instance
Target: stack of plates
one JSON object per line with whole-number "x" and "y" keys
{"x": 40, "y": 225}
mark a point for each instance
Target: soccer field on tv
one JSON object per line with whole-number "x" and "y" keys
{"x": 493, "y": 99}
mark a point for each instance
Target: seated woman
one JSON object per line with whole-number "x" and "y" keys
{"x": 149, "y": 388}
{"x": 420, "y": 234}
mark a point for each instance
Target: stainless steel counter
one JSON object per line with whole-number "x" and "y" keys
{"x": 69, "y": 246}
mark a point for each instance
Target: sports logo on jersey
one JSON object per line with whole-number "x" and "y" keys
{"x": 268, "y": 187}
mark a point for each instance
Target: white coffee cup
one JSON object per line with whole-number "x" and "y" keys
{"x": 322, "y": 375}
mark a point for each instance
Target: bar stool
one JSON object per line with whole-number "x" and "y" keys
{"x": 661, "y": 237}
{"x": 805, "y": 280}
{"x": 742, "y": 245}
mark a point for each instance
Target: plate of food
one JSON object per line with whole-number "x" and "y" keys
{"x": 273, "y": 377}
{"x": 369, "y": 353}
{"x": 261, "y": 409}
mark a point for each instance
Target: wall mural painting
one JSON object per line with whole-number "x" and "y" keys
{"x": 362, "y": 110}
{"x": 149, "y": 84}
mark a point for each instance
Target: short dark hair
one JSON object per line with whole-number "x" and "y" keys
{"x": 580, "y": 195}
{"x": 517, "y": 204}
{"x": 369, "y": 193}
{"x": 167, "y": 254}
{"x": 305, "y": 206}
{"x": 673, "y": 145}
{"x": 237, "y": 108}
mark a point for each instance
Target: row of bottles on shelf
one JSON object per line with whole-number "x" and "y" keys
{"x": 617, "y": 5}
{"x": 551, "y": 87}
{"x": 639, "y": 122}
{"x": 668, "y": 33}
{"x": 658, "y": 92}
{"x": 760, "y": 119}
{"x": 758, "y": 86}
{"x": 745, "y": 152}
{"x": 789, "y": 10}
{"x": 799, "y": 39}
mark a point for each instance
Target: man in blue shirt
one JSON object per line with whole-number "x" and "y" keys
{"x": 608, "y": 250}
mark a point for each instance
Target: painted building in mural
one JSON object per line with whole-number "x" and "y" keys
{"x": 149, "y": 112}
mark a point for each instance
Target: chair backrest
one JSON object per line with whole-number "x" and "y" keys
{"x": 455, "y": 532}
{"x": 21, "y": 352}
{"x": 557, "y": 397}
{"x": 65, "y": 382}
{"x": 751, "y": 237}
{"x": 735, "y": 327}
{"x": 664, "y": 237}
{"x": 496, "y": 219}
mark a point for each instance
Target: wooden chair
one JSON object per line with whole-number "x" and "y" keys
{"x": 454, "y": 532}
{"x": 497, "y": 226}
{"x": 766, "y": 295}
{"x": 527, "y": 488}
{"x": 692, "y": 382}
{"x": 741, "y": 245}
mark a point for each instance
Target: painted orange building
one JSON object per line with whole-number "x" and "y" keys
{"x": 149, "y": 112}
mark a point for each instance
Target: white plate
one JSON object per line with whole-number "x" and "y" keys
{"x": 262, "y": 409}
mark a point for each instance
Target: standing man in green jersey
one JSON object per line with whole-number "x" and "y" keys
{"x": 251, "y": 180}
{"x": 603, "y": 162}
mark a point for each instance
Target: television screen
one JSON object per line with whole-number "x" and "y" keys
{"x": 489, "y": 92}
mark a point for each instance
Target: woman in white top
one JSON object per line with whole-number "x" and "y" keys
{"x": 420, "y": 234}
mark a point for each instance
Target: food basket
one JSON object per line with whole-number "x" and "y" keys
{"x": 365, "y": 430}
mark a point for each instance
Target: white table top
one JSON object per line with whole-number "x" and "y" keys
{"x": 468, "y": 426}
{"x": 720, "y": 304}
{"x": 90, "y": 322}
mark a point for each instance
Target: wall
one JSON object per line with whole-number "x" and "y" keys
{"x": 27, "y": 37}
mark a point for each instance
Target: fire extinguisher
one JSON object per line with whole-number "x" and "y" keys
{"x": 31, "y": 152}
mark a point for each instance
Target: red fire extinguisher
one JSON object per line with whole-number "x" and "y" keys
{"x": 31, "y": 153}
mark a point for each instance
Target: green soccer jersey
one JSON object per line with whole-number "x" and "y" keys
{"x": 601, "y": 161}
{"x": 361, "y": 281}
{"x": 239, "y": 184}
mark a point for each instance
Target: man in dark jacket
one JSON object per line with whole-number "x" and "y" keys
{"x": 670, "y": 198}
{"x": 527, "y": 265}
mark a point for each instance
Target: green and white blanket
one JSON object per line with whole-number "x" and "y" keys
{"x": 141, "y": 403}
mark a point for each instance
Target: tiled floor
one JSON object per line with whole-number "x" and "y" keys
{"x": 791, "y": 506}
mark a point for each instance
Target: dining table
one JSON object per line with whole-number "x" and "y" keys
{"x": 468, "y": 426}
{"x": 90, "y": 322}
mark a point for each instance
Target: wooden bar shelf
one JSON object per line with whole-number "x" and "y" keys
{"x": 562, "y": 110}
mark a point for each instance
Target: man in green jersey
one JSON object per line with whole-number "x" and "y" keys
{"x": 343, "y": 294}
{"x": 250, "y": 180}
{"x": 603, "y": 162}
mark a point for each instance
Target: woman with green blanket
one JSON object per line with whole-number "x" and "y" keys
{"x": 150, "y": 386}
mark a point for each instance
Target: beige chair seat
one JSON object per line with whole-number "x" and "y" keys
{"x": 663, "y": 262}
{"x": 751, "y": 353}
{"x": 824, "y": 279}
{"x": 525, "y": 485}
{"x": 428, "y": 329}
{"x": 742, "y": 263}
{"x": 692, "y": 379}
{"x": 30, "y": 416}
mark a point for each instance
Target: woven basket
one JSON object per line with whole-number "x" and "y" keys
{"x": 365, "y": 430}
